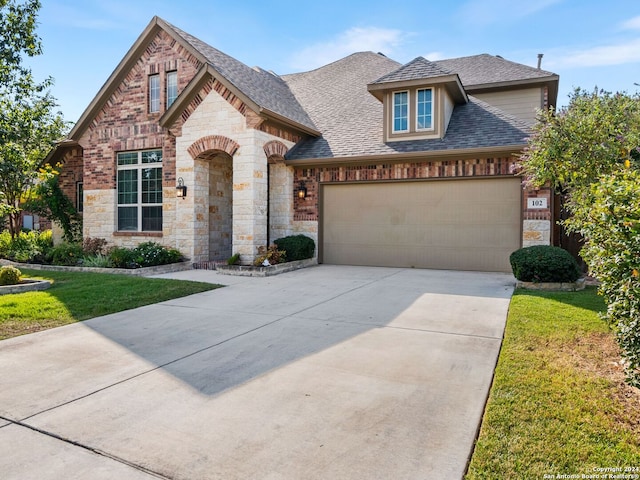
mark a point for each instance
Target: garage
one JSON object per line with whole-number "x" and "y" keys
{"x": 468, "y": 224}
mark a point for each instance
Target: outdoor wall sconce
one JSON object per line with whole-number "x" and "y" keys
{"x": 302, "y": 190}
{"x": 181, "y": 189}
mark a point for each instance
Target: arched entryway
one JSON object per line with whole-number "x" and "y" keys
{"x": 215, "y": 157}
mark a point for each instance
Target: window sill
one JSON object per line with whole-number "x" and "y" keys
{"x": 137, "y": 234}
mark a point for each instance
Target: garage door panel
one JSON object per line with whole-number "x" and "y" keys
{"x": 457, "y": 224}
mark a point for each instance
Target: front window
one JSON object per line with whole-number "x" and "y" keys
{"x": 424, "y": 109}
{"x": 140, "y": 191}
{"x": 154, "y": 93}
{"x": 172, "y": 88}
{"x": 79, "y": 196}
{"x": 401, "y": 111}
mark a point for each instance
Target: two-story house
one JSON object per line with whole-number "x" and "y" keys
{"x": 381, "y": 163}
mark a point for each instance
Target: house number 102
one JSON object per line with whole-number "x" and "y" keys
{"x": 536, "y": 203}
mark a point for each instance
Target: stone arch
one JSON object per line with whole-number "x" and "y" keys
{"x": 275, "y": 150}
{"x": 211, "y": 145}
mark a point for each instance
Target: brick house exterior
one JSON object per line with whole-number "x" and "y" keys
{"x": 245, "y": 142}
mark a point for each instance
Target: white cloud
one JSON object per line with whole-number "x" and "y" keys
{"x": 356, "y": 39}
{"x": 606, "y": 55}
{"x": 433, "y": 56}
{"x": 631, "y": 24}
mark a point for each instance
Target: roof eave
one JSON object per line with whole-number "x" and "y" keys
{"x": 457, "y": 92}
{"x": 459, "y": 153}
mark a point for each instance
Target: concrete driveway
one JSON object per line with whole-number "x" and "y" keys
{"x": 330, "y": 372}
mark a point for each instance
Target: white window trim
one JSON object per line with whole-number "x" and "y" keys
{"x": 170, "y": 74}
{"x": 393, "y": 111}
{"x": 154, "y": 104}
{"x": 433, "y": 120}
{"x": 139, "y": 205}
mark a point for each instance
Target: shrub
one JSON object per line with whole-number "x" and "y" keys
{"x": 272, "y": 254}
{"x": 67, "y": 253}
{"x": 544, "y": 263}
{"x": 122, "y": 257}
{"x": 10, "y": 275}
{"x": 149, "y": 254}
{"x": 93, "y": 246}
{"x": 298, "y": 247}
{"x": 32, "y": 246}
{"x": 233, "y": 259}
{"x": 98, "y": 260}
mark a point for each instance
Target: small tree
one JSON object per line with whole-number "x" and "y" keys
{"x": 590, "y": 151}
{"x": 28, "y": 124}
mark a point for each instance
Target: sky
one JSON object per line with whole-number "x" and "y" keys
{"x": 588, "y": 43}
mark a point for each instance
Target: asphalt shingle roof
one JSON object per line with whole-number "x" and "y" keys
{"x": 485, "y": 68}
{"x": 351, "y": 119}
{"x": 266, "y": 89}
{"x": 417, "y": 68}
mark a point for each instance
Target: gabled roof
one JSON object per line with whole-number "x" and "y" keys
{"x": 264, "y": 92}
{"x": 350, "y": 119}
{"x": 419, "y": 71}
{"x": 484, "y": 72}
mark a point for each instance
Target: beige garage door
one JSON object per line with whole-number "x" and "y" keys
{"x": 446, "y": 224}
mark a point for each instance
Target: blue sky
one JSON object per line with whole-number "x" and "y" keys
{"x": 588, "y": 43}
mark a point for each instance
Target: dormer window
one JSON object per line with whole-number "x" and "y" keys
{"x": 418, "y": 101}
{"x": 401, "y": 111}
{"x": 424, "y": 109}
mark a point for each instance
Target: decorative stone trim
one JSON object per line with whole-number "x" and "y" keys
{"x": 210, "y": 143}
{"x": 552, "y": 286}
{"x": 275, "y": 151}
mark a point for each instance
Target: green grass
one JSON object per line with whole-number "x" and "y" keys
{"x": 558, "y": 405}
{"x": 77, "y": 296}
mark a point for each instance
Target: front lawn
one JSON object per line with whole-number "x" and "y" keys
{"x": 77, "y": 296}
{"x": 558, "y": 405}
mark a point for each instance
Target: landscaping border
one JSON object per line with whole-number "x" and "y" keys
{"x": 143, "y": 272}
{"x": 251, "y": 271}
{"x": 27, "y": 285}
{"x": 554, "y": 286}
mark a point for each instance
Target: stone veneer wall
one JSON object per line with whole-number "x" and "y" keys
{"x": 215, "y": 116}
{"x": 536, "y": 223}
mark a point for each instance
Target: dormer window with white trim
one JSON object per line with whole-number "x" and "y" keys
{"x": 401, "y": 111}
{"x": 424, "y": 109}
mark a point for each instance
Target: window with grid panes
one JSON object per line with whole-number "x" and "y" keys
{"x": 140, "y": 191}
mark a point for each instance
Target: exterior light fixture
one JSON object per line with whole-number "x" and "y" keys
{"x": 302, "y": 190}
{"x": 181, "y": 188}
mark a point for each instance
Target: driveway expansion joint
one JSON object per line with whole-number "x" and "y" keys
{"x": 95, "y": 451}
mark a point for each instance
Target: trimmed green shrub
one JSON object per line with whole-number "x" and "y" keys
{"x": 233, "y": 259}
{"x": 298, "y": 247}
{"x": 544, "y": 263}
{"x": 10, "y": 275}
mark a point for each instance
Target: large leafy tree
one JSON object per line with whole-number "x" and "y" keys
{"x": 29, "y": 124}
{"x": 590, "y": 151}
